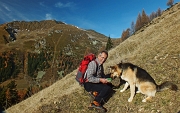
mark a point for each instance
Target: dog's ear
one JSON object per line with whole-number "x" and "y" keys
{"x": 121, "y": 61}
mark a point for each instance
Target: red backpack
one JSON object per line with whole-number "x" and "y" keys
{"x": 83, "y": 66}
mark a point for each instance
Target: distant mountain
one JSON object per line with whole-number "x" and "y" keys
{"x": 33, "y": 31}
{"x": 51, "y": 46}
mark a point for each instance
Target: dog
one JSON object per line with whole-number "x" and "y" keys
{"x": 137, "y": 77}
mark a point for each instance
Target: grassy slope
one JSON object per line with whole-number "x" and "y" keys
{"x": 154, "y": 48}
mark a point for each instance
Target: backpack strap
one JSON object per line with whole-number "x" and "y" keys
{"x": 85, "y": 74}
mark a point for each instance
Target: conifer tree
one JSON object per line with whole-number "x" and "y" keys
{"x": 11, "y": 94}
{"x": 144, "y": 18}
{"x": 132, "y": 30}
{"x": 109, "y": 44}
{"x": 138, "y": 23}
{"x": 2, "y": 97}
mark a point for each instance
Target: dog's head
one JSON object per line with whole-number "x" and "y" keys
{"x": 115, "y": 71}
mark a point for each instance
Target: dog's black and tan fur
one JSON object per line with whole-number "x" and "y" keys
{"x": 138, "y": 77}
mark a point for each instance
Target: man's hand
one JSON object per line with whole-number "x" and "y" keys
{"x": 103, "y": 80}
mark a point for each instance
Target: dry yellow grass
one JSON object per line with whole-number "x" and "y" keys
{"x": 155, "y": 48}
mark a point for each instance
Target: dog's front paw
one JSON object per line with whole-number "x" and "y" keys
{"x": 144, "y": 100}
{"x": 130, "y": 100}
{"x": 138, "y": 91}
{"x": 122, "y": 90}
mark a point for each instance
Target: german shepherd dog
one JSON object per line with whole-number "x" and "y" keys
{"x": 138, "y": 77}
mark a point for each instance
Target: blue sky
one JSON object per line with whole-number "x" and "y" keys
{"x": 109, "y": 17}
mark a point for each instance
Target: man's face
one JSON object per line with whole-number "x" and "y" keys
{"x": 102, "y": 57}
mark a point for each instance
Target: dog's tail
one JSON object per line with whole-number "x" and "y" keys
{"x": 167, "y": 85}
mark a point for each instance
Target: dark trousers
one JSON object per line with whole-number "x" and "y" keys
{"x": 104, "y": 90}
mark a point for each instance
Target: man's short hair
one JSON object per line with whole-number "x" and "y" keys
{"x": 104, "y": 51}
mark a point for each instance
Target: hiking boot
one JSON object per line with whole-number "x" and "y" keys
{"x": 97, "y": 106}
{"x": 93, "y": 94}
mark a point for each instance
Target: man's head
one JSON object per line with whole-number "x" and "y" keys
{"x": 103, "y": 55}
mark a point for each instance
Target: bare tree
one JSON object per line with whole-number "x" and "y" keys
{"x": 125, "y": 34}
{"x": 159, "y": 12}
{"x": 170, "y": 3}
{"x": 152, "y": 16}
